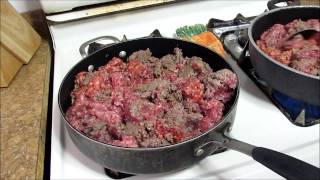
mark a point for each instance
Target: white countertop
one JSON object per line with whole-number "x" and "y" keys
{"x": 257, "y": 121}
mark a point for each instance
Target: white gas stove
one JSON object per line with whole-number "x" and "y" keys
{"x": 258, "y": 120}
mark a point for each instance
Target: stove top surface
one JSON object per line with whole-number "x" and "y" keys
{"x": 258, "y": 121}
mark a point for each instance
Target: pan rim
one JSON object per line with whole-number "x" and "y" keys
{"x": 236, "y": 96}
{"x": 270, "y": 58}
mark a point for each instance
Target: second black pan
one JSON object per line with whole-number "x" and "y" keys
{"x": 287, "y": 80}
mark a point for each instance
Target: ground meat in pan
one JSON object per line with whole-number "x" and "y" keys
{"x": 150, "y": 102}
{"x": 297, "y": 52}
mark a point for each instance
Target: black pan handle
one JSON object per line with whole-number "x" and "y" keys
{"x": 272, "y": 3}
{"x": 284, "y": 165}
{"x": 287, "y": 166}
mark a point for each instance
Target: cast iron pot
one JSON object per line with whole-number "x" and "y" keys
{"x": 181, "y": 155}
{"x": 285, "y": 79}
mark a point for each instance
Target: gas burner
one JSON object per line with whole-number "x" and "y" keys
{"x": 232, "y": 33}
{"x": 234, "y": 36}
{"x": 220, "y": 27}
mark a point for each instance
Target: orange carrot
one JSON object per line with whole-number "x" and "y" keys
{"x": 211, "y": 41}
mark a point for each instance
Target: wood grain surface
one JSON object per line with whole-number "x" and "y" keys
{"x": 10, "y": 65}
{"x": 16, "y": 34}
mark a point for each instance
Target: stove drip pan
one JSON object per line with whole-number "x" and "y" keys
{"x": 303, "y": 114}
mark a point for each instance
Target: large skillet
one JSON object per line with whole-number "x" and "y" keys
{"x": 183, "y": 154}
{"x": 285, "y": 79}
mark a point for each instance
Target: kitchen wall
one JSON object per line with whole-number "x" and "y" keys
{"x": 25, "y": 5}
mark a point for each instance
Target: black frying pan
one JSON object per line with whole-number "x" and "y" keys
{"x": 285, "y": 79}
{"x": 181, "y": 155}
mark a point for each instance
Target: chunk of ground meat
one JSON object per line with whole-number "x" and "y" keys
{"x": 220, "y": 85}
{"x": 197, "y": 64}
{"x": 169, "y": 130}
{"x": 157, "y": 69}
{"x": 179, "y": 56}
{"x": 140, "y": 110}
{"x": 191, "y": 106}
{"x": 310, "y": 66}
{"x": 296, "y": 52}
{"x": 115, "y": 65}
{"x": 154, "y": 142}
{"x": 168, "y": 62}
{"x": 136, "y": 68}
{"x": 213, "y": 113}
{"x": 309, "y": 52}
{"x": 149, "y": 101}
{"x": 275, "y": 36}
{"x": 137, "y": 130}
{"x": 227, "y": 78}
{"x": 126, "y": 141}
{"x": 119, "y": 79}
{"x": 143, "y": 56}
{"x": 193, "y": 89}
{"x": 176, "y": 113}
{"x": 187, "y": 72}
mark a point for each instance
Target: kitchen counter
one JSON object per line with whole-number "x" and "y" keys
{"x": 24, "y": 107}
